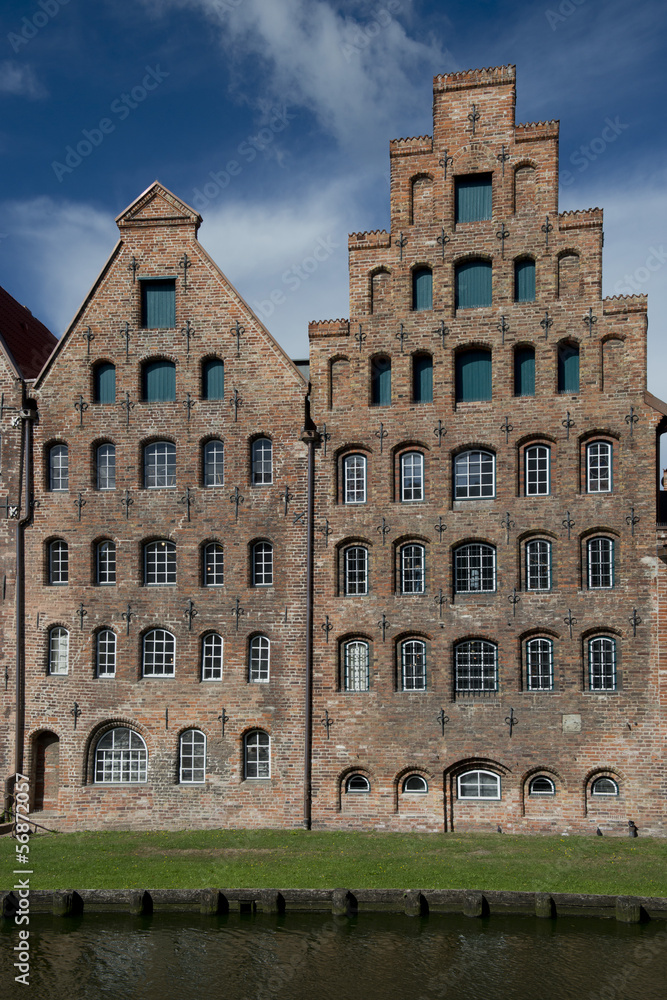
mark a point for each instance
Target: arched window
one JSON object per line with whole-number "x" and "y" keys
{"x": 422, "y": 378}
{"x": 257, "y": 755}
{"x": 58, "y": 467}
{"x": 474, "y": 475}
{"x": 476, "y": 664}
{"x": 357, "y": 784}
{"x": 192, "y": 757}
{"x": 413, "y": 559}
{"x": 105, "y": 653}
{"x": 158, "y": 379}
{"x": 413, "y": 665}
{"x": 211, "y": 657}
{"x": 479, "y": 785}
{"x": 160, "y": 563}
{"x": 473, "y": 376}
{"x": 524, "y": 371}
{"x": 258, "y": 666}
{"x": 538, "y": 564}
{"x": 537, "y": 470}
{"x": 354, "y": 479}
{"x": 262, "y": 564}
{"x": 414, "y": 784}
{"x": 473, "y": 195}
{"x": 356, "y": 665}
{"x": 58, "y": 650}
{"x": 473, "y": 284}
{"x": 355, "y": 570}
{"x": 380, "y": 289}
{"x": 380, "y": 381}
{"x": 604, "y": 786}
{"x": 475, "y": 568}
{"x": 599, "y": 467}
{"x": 412, "y": 476}
{"x": 600, "y": 563}
{"x": 58, "y": 563}
{"x": 213, "y": 379}
{"x": 422, "y": 288}
{"x": 160, "y": 465}
{"x": 214, "y": 575}
{"x": 262, "y": 461}
{"x": 105, "y": 563}
{"x": 214, "y": 463}
{"x": 540, "y": 664}
{"x": 120, "y": 757}
{"x": 524, "y": 280}
{"x": 158, "y": 303}
{"x": 104, "y": 383}
{"x": 159, "y": 653}
{"x": 106, "y": 466}
{"x": 568, "y": 368}
{"x": 602, "y": 663}
{"x": 541, "y": 785}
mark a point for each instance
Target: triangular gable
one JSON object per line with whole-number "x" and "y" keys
{"x": 158, "y": 205}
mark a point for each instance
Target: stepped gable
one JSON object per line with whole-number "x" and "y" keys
{"x": 615, "y": 304}
{"x": 329, "y": 328}
{"x": 27, "y": 342}
{"x": 487, "y": 77}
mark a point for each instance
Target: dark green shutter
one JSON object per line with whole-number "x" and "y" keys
{"x": 422, "y": 379}
{"x": 422, "y": 288}
{"x": 381, "y": 382}
{"x": 524, "y": 371}
{"x": 473, "y": 284}
{"x": 159, "y": 382}
{"x": 568, "y": 368}
{"x": 473, "y": 376}
{"x": 158, "y": 304}
{"x": 524, "y": 281}
{"x": 214, "y": 380}
{"x": 105, "y": 383}
{"x": 473, "y": 198}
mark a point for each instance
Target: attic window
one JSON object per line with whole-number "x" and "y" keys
{"x": 158, "y": 303}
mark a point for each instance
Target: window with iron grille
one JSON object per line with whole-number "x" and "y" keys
{"x": 160, "y": 563}
{"x": 159, "y": 465}
{"x": 58, "y": 468}
{"x": 211, "y": 657}
{"x": 159, "y": 653}
{"x": 106, "y": 467}
{"x": 214, "y": 565}
{"x": 58, "y": 650}
{"x": 412, "y": 569}
{"x": 475, "y": 569}
{"x": 600, "y": 563}
{"x": 106, "y": 563}
{"x": 106, "y": 653}
{"x": 58, "y": 563}
{"x": 262, "y": 461}
{"x": 258, "y": 668}
{"x": 355, "y": 570}
{"x": 602, "y": 664}
{"x": 474, "y": 475}
{"x": 262, "y": 564}
{"x": 413, "y": 665}
{"x": 598, "y": 467}
{"x": 192, "y": 766}
{"x": 257, "y": 747}
{"x": 604, "y": 786}
{"x": 537, "y": 470}
{"x": 356, "y": 666}
{"x": 476, "y": 663}
{"x": 539, "y": 664}
{"x": 538, "y": 565}
{"x": 120, "y": 757}
{"x": 354, "y": 479}
{"x": 214, "y": 464}
{"x": 412, "y": 476}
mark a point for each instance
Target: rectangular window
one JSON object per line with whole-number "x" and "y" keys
{"x": 538, "y": 565}
{"x": 598, "y": 467}
{"x": 412, "y": 476}
{"x": 412, "y": 569}
{"x": 356, "y": 666}
{"x": 537, "y": 471}
{"x": 158, "y": 303}
{"x": 600, "y": 563}
{"x": 602, "y": 664}
{"x": 524, "y": 371}
{"x": 354, "y": 479}
{"x": 539, "y": 665}
{"x": 259, "y": 660}
{"x": 106, "y": 564}
{"x": 356, "y": 570}
{"x": 413, "y": 656}
{"x": 473, "y": 376}
{"x": 473, "y": 198}
{"x": 476, "y": 666}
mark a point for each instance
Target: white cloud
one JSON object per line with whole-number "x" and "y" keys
{"x": 20, "y": 81}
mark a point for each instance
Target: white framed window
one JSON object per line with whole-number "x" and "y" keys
{"x": 599, "y": 467}
{"x": 160, "y": 563}
{"x": 412, "y": 476}
{"x": 211, "y": 657}
{"x": 541, "y": 785}
{"x": 258, "y": 666}
{"x": 540, "y": 664}
{"x": 538, "y": 564}
{"x": 358, "y": 784}
{"x": 413, "y": 665}
{"x": 257, "y": 755}
{"x": 356, "y": 656}
{"x": 600, "y": 563}
{"x": 475, "y": 568}
{"x": 58, "y": 650}
{"x": 106, "y": 653}
{"x": 413, "y": 559}
{"x": 192, "y": 757}
{"x": 478, "y": 785}
{"x": 262, "y": 564}
{"x": 474, "y": 475}
{"x": 106, "y": 466}
{"x": 262, "y": 461}
{"x": 602, "y": 664}
{"x": 58, "y": 563}
{"x": 354, "y": 479}
{"x": 121, "y": 757}
{"x": 355, "y": 570}
{"x": 604, "y": 786}
{"x": 160, "y": 465}
{"x": 214, "y": 463}
{"x": 105, "y": 563}
{"x": 414, "y": 784}
{"x": 214, "y": 568}
{"x": 537, "y": 466}
{"x": 159, "y": 653}
{"x": 476, "y": 665}
{"x": 58, "y": 467}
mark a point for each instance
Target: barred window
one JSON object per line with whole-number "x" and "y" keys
{"x": 160, "y": 465}
{"x": 214, "y": 565}
{"x": 214, "y": 465}
{"x": 58, "y": 563}
{"x": 475, "y": 569}
{"x": 538, "y": 565}
{"x": 412, "y": 476}
{"x": 106, "y": 653}
{"x": 160, "y": 563}
{"x": 211, "y": 657}
{"x": 355, "y": 570}
{"x": 539, "y": 664}
{"x": 257, "y": 755}
{"x": 479, "y": 785}
{"x": 58, "y": 650}
{"x": 354, "y": 479}
{"x": 58, "y": 467}
{"x": 474, "y": 475}
{"x": 192, "y": 769}
{"x": 106, "y": 467}
{"x": 356, "y": 661}
{"x": 258, "y": 667}
{"x": 476, "y": 664}
{"x": 106, "y": 563}
{"x": 262, "y": 461}
{"x": 602, "y": 664}
{"x": 412, "y": 569}
{"x": 537, "y": 470}
{"x": 413, "y": 665}
{"x": 600, "y": 563}
{"x": 598, "y": 467}
{"x": 159, "y": 653}
{"x": 121, "y": 757}
{"x": 604, "y": 786}
{"x": 262, "y": 564}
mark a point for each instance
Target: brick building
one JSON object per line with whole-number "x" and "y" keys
{"x": 442, "y": 609}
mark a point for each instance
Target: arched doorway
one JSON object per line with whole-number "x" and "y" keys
{"x": 46, "y": 755}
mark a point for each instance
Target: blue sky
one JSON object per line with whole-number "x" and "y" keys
{"x": 301, "y": 98}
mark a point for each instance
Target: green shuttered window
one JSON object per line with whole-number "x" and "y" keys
{"x": 473, "y": 284}
{"x": 422, "y": 378}
{"x": 524, "y": 371}
{"x": 213, "y": 379}
{"x": 473, "y": 198}
{"x": 104, "y": 390}
{"x": 422, "y": 288}
{"x": 159, "y": 382}
{"x": 158, "y": 304}
{"x": 473, "y": 376}
{"x": 568, "y": 368}
{"x": 381, "y": 381}
{"x": 524, "y": 281}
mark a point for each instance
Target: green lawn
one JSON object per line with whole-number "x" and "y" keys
{"x": 298, "y": 859}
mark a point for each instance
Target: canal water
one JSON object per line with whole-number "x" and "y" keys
{"x": 320, "y": 957}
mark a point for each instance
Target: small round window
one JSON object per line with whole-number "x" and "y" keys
{"x": 357, "y": 783}
{"x": 542, "y": 786}
{"x": 416, "y": 784}
{"x": 604, "y": 786}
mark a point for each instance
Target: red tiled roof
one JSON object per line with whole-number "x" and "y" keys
{"x": 26, "y": 340}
